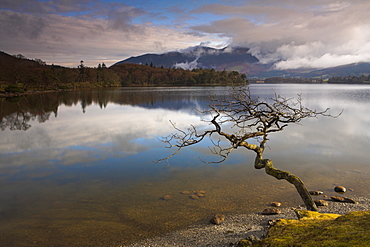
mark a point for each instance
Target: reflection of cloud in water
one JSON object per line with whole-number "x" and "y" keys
{"x": 98, "y": 134}
{"x": 123, "y": 130}
{"x": 327, "y": 140}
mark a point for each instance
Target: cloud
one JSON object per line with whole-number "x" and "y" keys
{"x": 19, "y": 25}
{"x": 65, "y": 32}
{"x": 189, "y": 66}
{"x": 296, "y": 34}
{"x": 120, "y": 18}
{"x": 288, "y": 34}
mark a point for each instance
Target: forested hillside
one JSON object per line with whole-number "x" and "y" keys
{"x": 19, "y": 74}
{"x": 134, "y": 74}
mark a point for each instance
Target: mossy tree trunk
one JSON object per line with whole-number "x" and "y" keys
{"x": 296, "y": 181}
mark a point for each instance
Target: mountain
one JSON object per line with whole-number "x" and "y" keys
{"x": 239, "y": 59}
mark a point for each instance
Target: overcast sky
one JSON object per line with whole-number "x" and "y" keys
{"x": 289, "y": 33}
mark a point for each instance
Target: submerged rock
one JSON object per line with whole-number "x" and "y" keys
{"x": 342, "y": 199}
{"x": 271, "y": 211}
{"x": 315, "y": 192}
{"x": 275, "y": 204}
{"x": 321, "y": 203}
{"x": 194, "y": 197}
{"x": 166, "y": 197}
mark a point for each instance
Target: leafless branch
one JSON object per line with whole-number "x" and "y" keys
{"x": 243, "y": 118}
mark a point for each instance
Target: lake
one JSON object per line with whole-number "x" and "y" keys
{"x": 77, "y": 168}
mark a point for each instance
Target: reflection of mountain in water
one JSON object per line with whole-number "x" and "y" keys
{"x": 16, "y": 114}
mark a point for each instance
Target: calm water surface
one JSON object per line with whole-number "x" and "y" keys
{"x": 76, "y": 168}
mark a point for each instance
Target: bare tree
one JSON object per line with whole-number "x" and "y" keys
{"x": 243, "y": 120}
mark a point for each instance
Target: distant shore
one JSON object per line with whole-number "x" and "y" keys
{"x": 240, "y": 226}
{"x": 10, "y": 95}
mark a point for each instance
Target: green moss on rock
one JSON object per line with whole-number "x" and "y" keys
{"x": 315, "y": 229}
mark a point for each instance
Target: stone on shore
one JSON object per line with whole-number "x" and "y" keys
{"x": 217, "y": 219}
{"x": 340, "y": 189}
{"x": 249, "y": 241}
{"x": 342, "y": 199}
{"x": 271, "y": 211}
{"x": 316, "y": 192}
{"x": 321, "y": 203}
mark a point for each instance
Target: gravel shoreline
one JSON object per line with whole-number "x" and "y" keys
{"x": 240, "y": 226}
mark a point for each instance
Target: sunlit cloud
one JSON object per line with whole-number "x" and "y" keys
{"x": 298, "y": 34}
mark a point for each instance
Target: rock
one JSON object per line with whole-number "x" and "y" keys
{"x": 185, "y": 192}
{"x": 167, "y": 197}
{"x": 253, "y": 239}
{"x": 342, "y": 199}
{"x": 272, "y": 222}
{"x": 321, "y": 203}
{"x": 271, "y": 211}
{"x": 315, "y": 192}
{"x": 340, "y": 189}
{"x": 200, "y": 195}
{"x": 194, "y": 197}
{"x": 217, "y": 219}
{"x": 249, "y": 241}
{"x": 275, "y": 204}
{"x": 201, "y": 192}
{"x": 244, "y": 243}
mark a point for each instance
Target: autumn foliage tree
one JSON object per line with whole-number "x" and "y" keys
{"x": 242, "y": 121}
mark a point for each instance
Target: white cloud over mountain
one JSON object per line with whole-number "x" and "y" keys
{"x": 290, "y": 34}
{"x": 297, "y": 34}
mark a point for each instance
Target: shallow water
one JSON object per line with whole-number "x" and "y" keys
{"x": 76, "y": 168}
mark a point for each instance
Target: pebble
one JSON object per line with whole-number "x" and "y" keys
{"x": 343, "y": 199}
{"x": 167, "y": 197}
{"x": 217, "y": 219}
{"x": 315, "y": 192}
{"x": 271, "y": 211}
{"x": 339, "y": 189}
{"x": 194, "y": 197}
{"x": 321, "y": 203}
{"x": 275, "y": 204}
